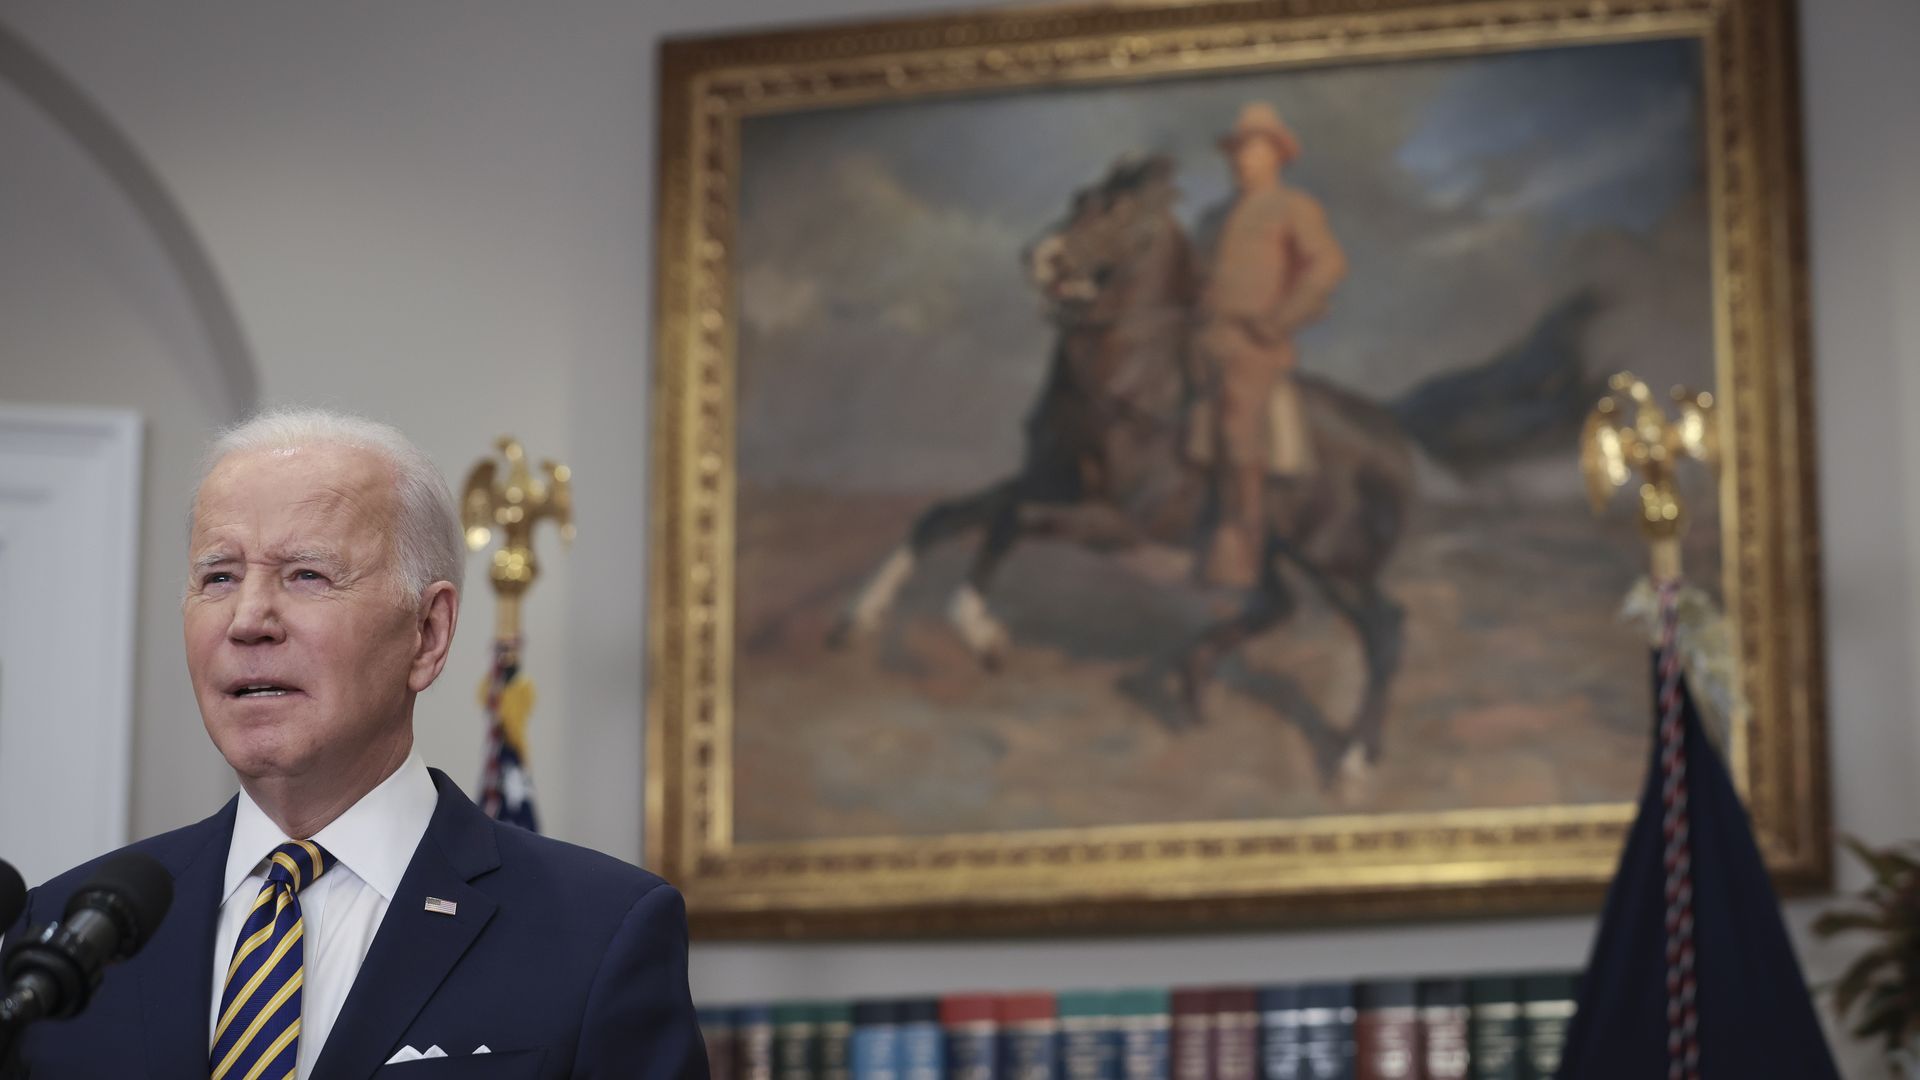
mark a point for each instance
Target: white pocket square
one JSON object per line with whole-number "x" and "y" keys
{"x": 408, "y": 1053}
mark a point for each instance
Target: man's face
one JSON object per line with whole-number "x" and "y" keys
{"x": 1256, "y": 163}
{"x": 301, "y": 642}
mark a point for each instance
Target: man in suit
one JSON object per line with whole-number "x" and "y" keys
{"x": 350, "y": 914}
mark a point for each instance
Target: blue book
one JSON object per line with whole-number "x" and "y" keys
{"x": 1283, "y": 1034}
{"x": 876, "y": 1040}
{"x": 922, "y": 1041}
{"x": 1326, "y": 1018}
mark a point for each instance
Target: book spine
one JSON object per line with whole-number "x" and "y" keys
{"x": 1283, "y": 1040}
{"x": 1191, "y": 1040}
{"x": 717, "y": 1030}
{"x": 876, "y": 1041}
{"x": 972, "y": 1026}
{"x": 1494, "y": 1028}
{"x": 973, "y": 1052}
{"x": 1328, "y": 1021}
{"x": 1236, "y": 1034}
{"x": 1031, "y": 1050}
{"x": 1029, "y": 1036}
{"x": 793, "y": 1042}
{"x": 1144, "y": 1022}
{"x": 1546, "y": 1011}
{"x": 1386, "y": 1031}
{"x": 1089, "y": 1040}
{"x": 1444, "y": 1047}
{"x": 923, "y": 1044}
{"x": 753, "y": 1058}
{"x": 834, "y": 1049}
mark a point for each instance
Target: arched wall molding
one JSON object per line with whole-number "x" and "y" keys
{"x": 231, "y": 370}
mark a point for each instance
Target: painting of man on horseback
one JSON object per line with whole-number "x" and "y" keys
{"x": 1174, "y": 418}
{"x": 1268, "y": 512}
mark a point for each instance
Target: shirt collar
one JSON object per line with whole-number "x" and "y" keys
{"x": 375, "y": 838}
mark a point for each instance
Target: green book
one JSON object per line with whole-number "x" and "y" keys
{"x": 1144, "y": 1018}
{"x": 1546, "y": 1011}
{"x": 1493, "y": 1003}
{"x": 1089, "y": 1035}
{"x": 833, "y": 1039}
{"x": 794, "y": 1041}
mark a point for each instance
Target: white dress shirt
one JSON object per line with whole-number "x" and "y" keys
{"x": 372, "y": 842}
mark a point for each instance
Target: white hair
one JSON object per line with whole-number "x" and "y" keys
{"x": 428, "y": 542}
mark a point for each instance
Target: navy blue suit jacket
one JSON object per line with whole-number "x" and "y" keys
{"x": 564, "y": 962}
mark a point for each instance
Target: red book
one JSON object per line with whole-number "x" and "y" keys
{"x": 1191, "y": 1051}
{"x": 1386, "y": 1031}
{"x": 1029, "y": 1025}
{"x": 1236, "y": 1034}
{"x": 972, "y": 1026}
{"x": 1445, "y": 1035}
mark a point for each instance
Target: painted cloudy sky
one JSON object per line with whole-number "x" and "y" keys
{"x": 889, "y": 342}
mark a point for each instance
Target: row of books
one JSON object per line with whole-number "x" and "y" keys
{"x": 1496, "y": 1027}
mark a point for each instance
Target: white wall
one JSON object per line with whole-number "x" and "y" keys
{"x": 439, "y": 213}
{"x": 95, "y": 316}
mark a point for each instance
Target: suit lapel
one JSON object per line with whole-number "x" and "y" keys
{"x": 176, "y": 970}
{"x": 415, "y": 948}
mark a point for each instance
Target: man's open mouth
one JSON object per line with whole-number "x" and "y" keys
{"x": 261, "y": 690}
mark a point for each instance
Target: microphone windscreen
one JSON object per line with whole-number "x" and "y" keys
{"x": 143, "y": 889}
{"x": 13, "y": 895}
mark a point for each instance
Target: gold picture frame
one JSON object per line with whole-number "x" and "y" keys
{"x": 1173, "y": 874}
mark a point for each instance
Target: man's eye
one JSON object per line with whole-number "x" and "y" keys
{"x": 308, "y": 575}
{"x": 217, "y": 578}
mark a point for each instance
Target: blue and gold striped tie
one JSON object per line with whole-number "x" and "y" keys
{"x": 258, "y": 1035}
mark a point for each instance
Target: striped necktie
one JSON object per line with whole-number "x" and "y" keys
{"x": 258, "y": 1035}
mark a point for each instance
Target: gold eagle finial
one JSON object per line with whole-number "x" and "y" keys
{"x": 1614, "y": 447}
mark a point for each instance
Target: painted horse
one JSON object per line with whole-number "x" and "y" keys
{"x": 1104, "y": 465}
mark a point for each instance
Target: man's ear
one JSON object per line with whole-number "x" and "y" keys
{"x": 439, "y": 613}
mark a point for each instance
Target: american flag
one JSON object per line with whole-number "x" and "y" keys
{"x": 506, "y": 789}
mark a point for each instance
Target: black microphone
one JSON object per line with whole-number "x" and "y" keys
{"x": 53, "y": 970}
{"x": 13, "y": 895}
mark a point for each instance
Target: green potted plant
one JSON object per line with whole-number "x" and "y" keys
{"x": 1879, "y": 993}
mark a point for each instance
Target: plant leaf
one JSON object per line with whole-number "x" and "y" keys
{"x": 1838, "y": 922}
{"x": 1859, "y": 976}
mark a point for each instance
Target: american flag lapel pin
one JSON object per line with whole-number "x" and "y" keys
{"x": 442, "y": 907}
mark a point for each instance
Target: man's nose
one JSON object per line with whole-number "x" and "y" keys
{"x": 256, "y": 611}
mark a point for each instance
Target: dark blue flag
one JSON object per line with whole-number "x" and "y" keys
{"x": 1721, "y": 997}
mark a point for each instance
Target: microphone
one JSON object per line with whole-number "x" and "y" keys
{"x": 13, "y": 895}
{"x": 53, "y": 971}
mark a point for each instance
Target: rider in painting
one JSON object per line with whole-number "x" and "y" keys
{"x": 1270, "y": 264}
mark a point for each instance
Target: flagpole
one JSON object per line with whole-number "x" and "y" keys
{"x": 1614, "y": 450}
{"x": 513, "y": 506}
